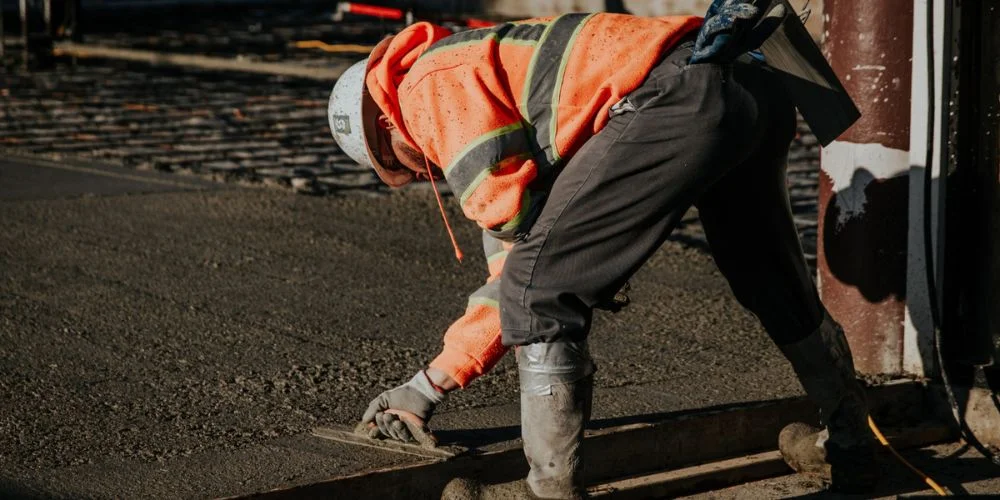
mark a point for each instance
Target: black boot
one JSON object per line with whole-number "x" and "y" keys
{"x": 844, "y": 452}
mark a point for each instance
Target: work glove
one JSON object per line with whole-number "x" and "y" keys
{"x": 402, "y": 413}
{"x": 733, "y": 28}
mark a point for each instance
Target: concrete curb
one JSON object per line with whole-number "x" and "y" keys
{"x": 159, "y": 58}
{"x": 753, "y": 467}
{"x": 978, "y": 408}
{"x": 91, "y": 167}
{"x": 650, "y": 444}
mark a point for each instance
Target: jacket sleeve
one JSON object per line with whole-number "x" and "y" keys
{"x": 476, "y": 134}
{"x": 472, "y": 344}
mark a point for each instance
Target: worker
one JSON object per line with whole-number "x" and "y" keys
{"x": 577, "y": 143}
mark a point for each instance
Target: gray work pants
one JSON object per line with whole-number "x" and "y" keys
{"x": 715, "y": 136}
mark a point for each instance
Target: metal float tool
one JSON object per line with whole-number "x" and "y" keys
{"x": 359, "y": 436}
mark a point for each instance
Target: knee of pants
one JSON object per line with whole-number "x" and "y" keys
{"x": 536, "y": 314}
{"x": 514, "y": 281}
{"x": 543, "y": 365}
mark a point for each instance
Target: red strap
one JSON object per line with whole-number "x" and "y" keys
{"x": 374, "y": 11}
{"x": 454, "y": 242}
{"x": 479, "y": 23}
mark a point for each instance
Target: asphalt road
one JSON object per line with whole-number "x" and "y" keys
{"x": 162, "y": 336}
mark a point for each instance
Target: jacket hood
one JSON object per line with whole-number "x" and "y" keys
{"x": 386, "y": 74}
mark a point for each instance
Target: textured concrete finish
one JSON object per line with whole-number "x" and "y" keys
{"x": 44, "y": 179}
{"x": 958, "y": 469}
{"x": 184, "y": 343}
{"x": 162, "y": 341}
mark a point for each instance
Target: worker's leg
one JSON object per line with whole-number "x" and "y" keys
{"x": 618, "y": 198}
{"x": 748, "y": 221}
{"x": 610, "y": 208}
{"x": 557, "y": 384}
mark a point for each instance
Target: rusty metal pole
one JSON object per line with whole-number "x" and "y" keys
{"x": 36, "y": 33}
{"x": 76, "y": 7}
{"x": 991, "y": 156}
{"x": 47, "y": 16}
{"x": 23, "y": 6}
{"x": 862, "y": 248}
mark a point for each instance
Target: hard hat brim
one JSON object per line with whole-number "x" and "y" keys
{"x": 369, "y": 115}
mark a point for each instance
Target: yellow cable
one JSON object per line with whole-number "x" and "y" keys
{"x": 339, "y": 48}
{"x": 930, "y": 482}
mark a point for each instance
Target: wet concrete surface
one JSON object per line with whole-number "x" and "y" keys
{"x": 957, "y": 468}
{"x": 38, "y": 179}
{"x": 182, "y": 343}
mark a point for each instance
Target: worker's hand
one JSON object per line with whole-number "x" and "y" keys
{"x": 733, "y": 28}
{"x": 402, "y": 413}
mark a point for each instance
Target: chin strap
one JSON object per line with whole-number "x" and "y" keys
{"x": 451, "y": 234}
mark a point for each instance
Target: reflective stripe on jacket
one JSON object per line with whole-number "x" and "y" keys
{"x": 472, "y": 344}
{"x": 500, "y": 110}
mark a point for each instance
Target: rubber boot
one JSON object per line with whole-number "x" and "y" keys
{"x": 556, "y": 391}
{"x": 557, "y": 384}
{"x": 844, "y": 451}
{"x": 552, "y": 430}
{"x": 470, "y": 489}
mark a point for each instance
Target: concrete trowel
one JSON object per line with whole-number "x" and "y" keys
{"x": 426, "y": 444}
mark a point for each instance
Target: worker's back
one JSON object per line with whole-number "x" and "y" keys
{"x": 572, "y": 68}
{"x": 515, "y": 99}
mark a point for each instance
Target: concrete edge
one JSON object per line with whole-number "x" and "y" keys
{"x": 977, "y": 406}
{"x": 712, "y": 475}
{"x": 982, "y": 414}
{"x": 79, "y": 165}
{"x": 328, "y": 73}
{"x": 660, "y": 442}
{"x": 732, "y": 471}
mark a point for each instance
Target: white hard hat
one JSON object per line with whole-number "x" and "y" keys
{"x": 352, "y": 113}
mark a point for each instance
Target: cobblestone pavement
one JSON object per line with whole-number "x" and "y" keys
{"x": 227, "y": 126}
{"x": 236, "y": 127}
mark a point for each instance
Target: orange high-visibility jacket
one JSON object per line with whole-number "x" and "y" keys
{"x": 500, "y": 110}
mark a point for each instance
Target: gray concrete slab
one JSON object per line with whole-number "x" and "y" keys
{"x": 957, "y": 468}
{"x": 183, "y": 343}
{"x": 35, "y": 179}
